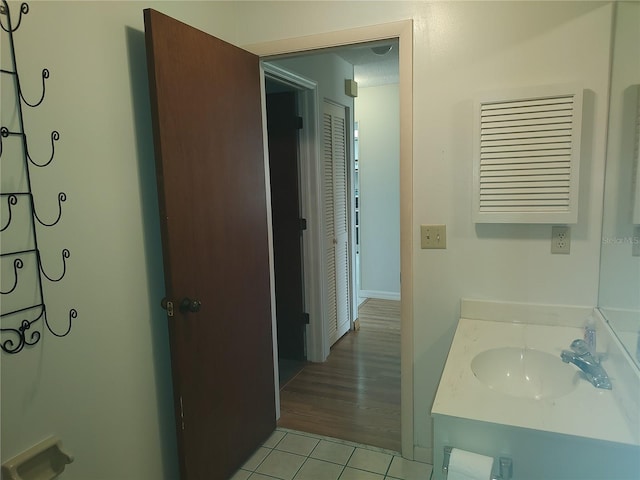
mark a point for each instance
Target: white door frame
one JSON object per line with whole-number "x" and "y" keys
{"x": 402, "y": 30}
{"x": 317, "y": 346}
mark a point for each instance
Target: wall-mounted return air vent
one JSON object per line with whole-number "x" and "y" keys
{"x": 527, "y": 155}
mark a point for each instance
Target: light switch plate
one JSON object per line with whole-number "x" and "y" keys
{"x": 433, "y": 236}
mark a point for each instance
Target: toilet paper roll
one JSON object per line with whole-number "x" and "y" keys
{"x": 465, "y": 465}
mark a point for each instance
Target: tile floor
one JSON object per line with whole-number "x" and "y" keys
{"x": 292, "y": 455}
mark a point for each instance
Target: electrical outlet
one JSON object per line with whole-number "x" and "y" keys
{"x": 433, "y": 236}
{"x": 560, "y": 239}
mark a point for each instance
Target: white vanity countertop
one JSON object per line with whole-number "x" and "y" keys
{"x": 586, "y": 411}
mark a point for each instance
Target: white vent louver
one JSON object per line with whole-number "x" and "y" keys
{"x": 526, "y": 161}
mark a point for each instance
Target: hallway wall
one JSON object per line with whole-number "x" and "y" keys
{"x": 378, "y": 116}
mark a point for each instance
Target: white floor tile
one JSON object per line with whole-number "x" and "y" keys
{"x": 273, "y": 440}
{"x": 370, "y": 461}
{"x": 256, "y": 458}
{"x": 332, "y": 452}
{"x": 292, "y": 455}
{"x": 281, "y": 465}
{"x": 408, "y": 470}
{"x": 353, "y": 474}
{"x": 318, "y": 470}
{"x": 298, "y": 444}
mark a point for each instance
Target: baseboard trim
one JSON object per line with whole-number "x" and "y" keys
{"x": 379, "y": 294}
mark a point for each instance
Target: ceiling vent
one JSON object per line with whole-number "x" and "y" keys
{"x": 526, "y": 156}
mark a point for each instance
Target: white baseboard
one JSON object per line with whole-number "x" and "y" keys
{"x": 379, "y": 294}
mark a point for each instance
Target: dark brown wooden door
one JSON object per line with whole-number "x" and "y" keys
{"x": 207, "y": 123}
{"x": 282, "y": 128}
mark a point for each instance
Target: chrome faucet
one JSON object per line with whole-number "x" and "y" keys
{"x": 589, "y": 363}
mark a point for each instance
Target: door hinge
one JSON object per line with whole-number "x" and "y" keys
{"x": 299, "y": 123}
{"x": 304, "y": 342}
{"x": 303, "y": 223}
{"x": 181, "y": 413}
{"x": 305, "y": 318}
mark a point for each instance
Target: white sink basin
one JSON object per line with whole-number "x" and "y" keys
{"x": 525, "y": 373}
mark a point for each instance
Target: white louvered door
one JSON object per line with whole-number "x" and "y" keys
{"x": 336, "y": 219}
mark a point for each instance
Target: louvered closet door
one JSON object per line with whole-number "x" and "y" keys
{"x": 336, "y": 219}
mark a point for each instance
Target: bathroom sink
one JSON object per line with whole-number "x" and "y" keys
{"x": 525, "y": 373}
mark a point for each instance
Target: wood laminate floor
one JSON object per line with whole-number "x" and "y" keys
{"x": 355, "y": 394}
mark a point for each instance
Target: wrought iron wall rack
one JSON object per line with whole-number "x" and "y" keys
{"x": 23, "y": 324}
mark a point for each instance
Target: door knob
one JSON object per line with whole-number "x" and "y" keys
{"x": 188, "y": 305}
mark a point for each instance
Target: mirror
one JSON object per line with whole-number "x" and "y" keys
{"x": 619, "y": 293}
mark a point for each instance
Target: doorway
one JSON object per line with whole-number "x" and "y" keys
{"x": 403, "y": 30}
{"x": 352, "y": 299}
{"x": 288, "y": 226}
{"x": 193, "y": 307}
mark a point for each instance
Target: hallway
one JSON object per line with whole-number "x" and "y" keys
{"x": 355, "y": 394}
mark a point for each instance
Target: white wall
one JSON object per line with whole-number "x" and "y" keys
{"x": 329, "y": 70}
{"x": 105, "y": 389}
{"x": 378, "y": 116}
{"x": 475, "y": 47}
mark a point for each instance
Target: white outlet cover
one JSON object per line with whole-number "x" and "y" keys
{"x": 560, "y": 239}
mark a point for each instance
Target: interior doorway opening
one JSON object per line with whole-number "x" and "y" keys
{"x": 288, "y": 225}
{"x": 312, "y": 177}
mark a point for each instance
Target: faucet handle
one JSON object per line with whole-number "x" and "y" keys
{"x": 579, "y": 346}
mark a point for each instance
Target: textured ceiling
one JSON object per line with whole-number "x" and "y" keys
{"x": 370, "y": 69}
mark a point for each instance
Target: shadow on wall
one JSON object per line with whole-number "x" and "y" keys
{"x": 153, "y": 247}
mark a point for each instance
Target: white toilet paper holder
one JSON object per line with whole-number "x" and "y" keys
{"x": 505, "y": 464}
{"x": 43, "y": 461}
